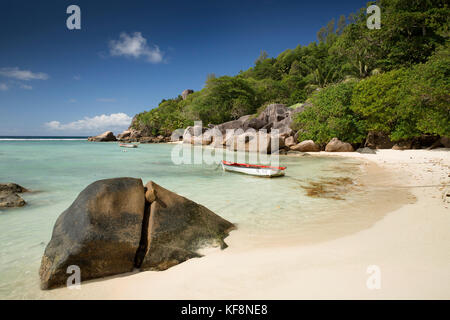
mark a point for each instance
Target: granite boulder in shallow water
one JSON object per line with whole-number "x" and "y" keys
{"x": 10, "y": 200}
{"x": 9, "y": 197}
{"x": 177, "y": 228}
{"x": 100, "y": 232}
{"x": 116, "y": 225}
{"x": 104, "y": 137}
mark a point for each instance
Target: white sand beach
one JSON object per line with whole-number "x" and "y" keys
{"x": 409, "y": 240}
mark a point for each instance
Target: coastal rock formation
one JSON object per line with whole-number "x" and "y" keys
{"x": 306, "y": 146}
{"x": 9, "y": 197}
{"x": 378, "y": 140}
{"x": 12, "y": 188}
{"x": 104, "y": 137}
{"x": 10, "y": 200}
{"x": 366, "y": 150}
{"x": 289, "y": 142}
{"x": 177, "y": 228}
{"x": 336, "y": 145}
{"x": 116, "y": 225}
{"x": 186, "y": 92}
{"x": 100, "y": 232}
{"x": 445, "y": 141}
{"x": 402, "y": 145}
{"x": 251, "y": 142}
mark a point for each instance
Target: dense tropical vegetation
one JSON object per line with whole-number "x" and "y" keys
{"x": 395, "y": 80}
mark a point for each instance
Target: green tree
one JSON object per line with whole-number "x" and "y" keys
{"x": 330, "y": 116}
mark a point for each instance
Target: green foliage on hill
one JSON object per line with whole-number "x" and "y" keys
{"x": 393, "y": 79}
{"x": 330, "y": 116}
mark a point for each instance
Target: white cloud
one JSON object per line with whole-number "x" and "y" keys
{"x": 76, "y": 77}
{"x": 97, "y": 123}
{"x": 25, "y": 86}
{"x": 26, "y": 75}
{"x": 106, "y": 100}
{"x": 3, "y": 87}
{"x": 135, "y": 45}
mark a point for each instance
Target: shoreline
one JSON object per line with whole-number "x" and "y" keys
{"x": 409, "y": 244}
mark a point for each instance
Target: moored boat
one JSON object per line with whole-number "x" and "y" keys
{"x": 128, "y": 145}
{"x": 253, "y": 169}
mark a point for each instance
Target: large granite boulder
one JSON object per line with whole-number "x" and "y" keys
{"x": 402, "y": 145}
{"x": 9, "y": 197}
{"x": 378, "y": 140}
{"x": 253, "y": 123}
{"x": 306, "y": 146}
{"x": 290, "y": 141}
{"x": 230, "y": 125}
{"x": 100, "y": 232}
{"x": 104, "y": 137}
{"x": 445, "y": 141}
{"x": 177, "y": 228}
{"x": 12, "y": 188}
{"x": 250, "y": 141}
{"x": 116, "y": 225}
{"x": 336, "y": 145}
{"x": 274, "y": 113}
{"x": 186, "y": 92}
{"x": 10, "y": 200}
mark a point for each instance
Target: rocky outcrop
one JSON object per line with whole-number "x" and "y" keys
{"x": 251, "y": 142}
{"x": 116, "y": 225}
{"x": 10, "y": 200}
{"x": 9, "y": 197}
{"x": 274, "y": 117}
{"x": 366, "y": 150}
{"x": 12, "y": 188}
{"x": 402, "y": 145}
{"x": 100, "y": 232}
{"x": 104, "y": 137}
{"x": 445, "y": 141}
{"x": 177, "y": 228}
{"x": 290, "y": 141}
{"x": 336, "y": 145}
{"x": 378, "y": 140}
{"x": 306, "y": 146}
{"x": 186, "y": 92}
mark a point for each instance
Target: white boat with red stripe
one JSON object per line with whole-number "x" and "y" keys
{"x": 253, "y": 169}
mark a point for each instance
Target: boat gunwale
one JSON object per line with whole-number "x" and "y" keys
{"x": 250, "y": 166}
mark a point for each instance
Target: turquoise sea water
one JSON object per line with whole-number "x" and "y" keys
{"x": 56, "y": 171}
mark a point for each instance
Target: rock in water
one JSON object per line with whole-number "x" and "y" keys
{"x": 12, "y": 187}
{"x": 177, "y": 228}
{"x": 10, "y": 200}
{"x": 100, "y": 232}
{"x": 9, "y": 197}
{"x": 104, "y": 137}
{"x": 336, "y": 145}
{"x": 115, "y": 225}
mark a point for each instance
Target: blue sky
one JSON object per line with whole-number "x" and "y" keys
{"x": 129, "y": 55}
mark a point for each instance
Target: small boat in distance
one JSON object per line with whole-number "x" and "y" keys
{"x": 128, "y": 145}
{"x": 253, "y": 169}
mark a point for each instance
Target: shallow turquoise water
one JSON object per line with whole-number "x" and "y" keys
{"x": 58, "y": 170}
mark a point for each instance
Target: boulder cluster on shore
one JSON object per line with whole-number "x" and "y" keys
{"x": 117, "y": 225}
{"x": 275, "y": 118}
{"x": 9, "y": 197}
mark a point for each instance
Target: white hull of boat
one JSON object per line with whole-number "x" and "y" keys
{"x": 128, "y": 145}
{"x": 254, "y": 171}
